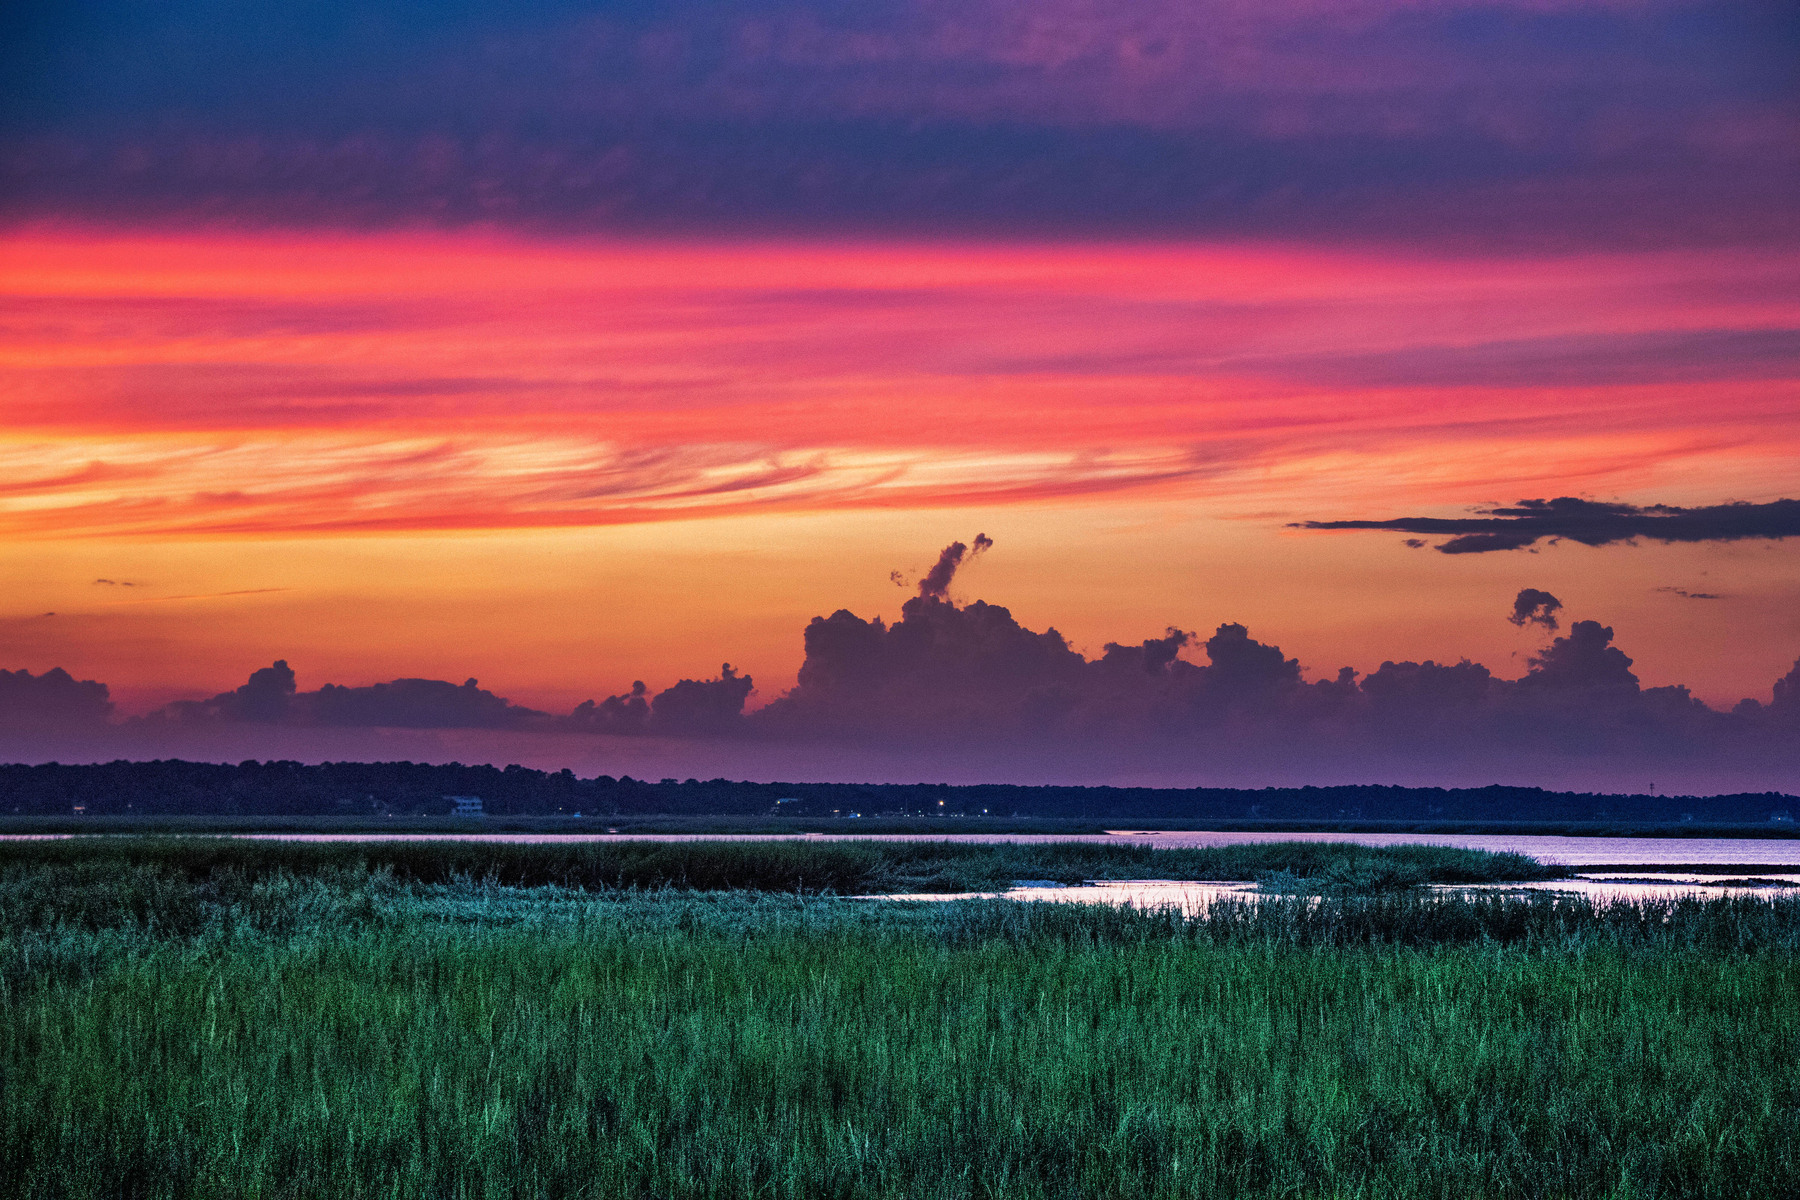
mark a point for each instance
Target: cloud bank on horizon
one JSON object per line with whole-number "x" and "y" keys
{"x": 1547, "y": 122}
{"x": 969, "y": 675}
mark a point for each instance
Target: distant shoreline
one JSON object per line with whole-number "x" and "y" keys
{"x": 655, "y": 824}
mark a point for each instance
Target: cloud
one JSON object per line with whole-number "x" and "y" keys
{"x": 1562, "y": 360}
{"x": 969, "y": 679}
{"x": 366, "y": 481}
{"x": 1683, "y": 592}
{"x": 1496, "y": 120}
{"x": 1592, "y": 523}
{"x": 697, "y": 707}
{"x": 632, "y": 382}
{"x": 628, "y": 713}
{"x": 1786, "y": 700}
{"x": 54, "y": 699}
{"x": 688, "y": 708}
{"x": 1586, "y": 658}
{"x": 270, "y": 697}
{"x": 936, "y": 583}
{"x": 1534, "y": 607}
{"x": 967, "y": 683}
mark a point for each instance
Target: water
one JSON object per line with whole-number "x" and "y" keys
{"x": 1654, "y": 866}
{"x": 1196, "y": 896}
{"x": 1579, "y": 852}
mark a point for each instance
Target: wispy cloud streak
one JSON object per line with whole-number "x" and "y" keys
{"x": 257, "y": 385}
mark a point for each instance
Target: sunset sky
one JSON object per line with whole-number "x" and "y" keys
{"x": 562, "y": 345}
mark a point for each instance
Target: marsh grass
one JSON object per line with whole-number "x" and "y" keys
{"x": 840, "y": 867}
{"x": 358, "y": 1032}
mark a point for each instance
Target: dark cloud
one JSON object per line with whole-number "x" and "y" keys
{"x": 692, "y": 707}
{"x": 1534, "y": 607}
{"x": 1152, "y": 656}
{"x": 1786, "y": 701}
{"x": 1592, "y": 523}
{"x": 936, "y": 583}
{"x": 623, "y": 714}
{"x": 1683, "y": 592}
{"x": 947, "y": 676}
{"x": 270, "y": 697}
{"x": 1563, "y": 123}
{"x": 695, "y": 707}
{"x": 419, "y": 704}
{"x": 1428, "y": 690}
{"x": 1584, "y": 659}
{"x": 54, "y": 699}
{"x": 969, "y": 686}
{"x": 970, "y": 679}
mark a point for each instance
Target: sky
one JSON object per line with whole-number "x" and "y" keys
{"x": 561, "y": 346}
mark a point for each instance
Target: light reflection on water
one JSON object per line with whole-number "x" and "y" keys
{"x": 1761, "y": 866}
{"x": 1196, "y": 896}
{"x": 1579, "y": 852}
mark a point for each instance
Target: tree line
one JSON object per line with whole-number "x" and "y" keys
{"x": 283, "y": 788}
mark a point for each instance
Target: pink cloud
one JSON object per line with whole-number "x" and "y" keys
{"x": 394, "y": 382}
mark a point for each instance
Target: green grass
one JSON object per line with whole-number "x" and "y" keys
{"x": 842, "y": 867}
{"x": 265, "y": 1031}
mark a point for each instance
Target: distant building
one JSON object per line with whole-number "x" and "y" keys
{"x": 465, "y": 806}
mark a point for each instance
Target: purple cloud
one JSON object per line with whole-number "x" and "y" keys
{"x": 1556, "y": 124}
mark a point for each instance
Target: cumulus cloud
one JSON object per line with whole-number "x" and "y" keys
{"x": 702, "y": 706}
{"x": 270, "y": 697}
{"x": 691, "y": 707}
{"x": 1534, "y": 607}
{"x": 969, "y": 682}
{"x": 54, "y": 699}
{"x": 1786, "y": 699}
{"x": 627, "y": 713}
{"x": 1592, "y": 523}
{"x": 971, "y": 676}
{"x": 1584, "y": 659}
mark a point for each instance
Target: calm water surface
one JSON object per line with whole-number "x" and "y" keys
{"x": 1568, "y": 851}
{"x": 1655, "y": 862}
{"x": 1196, "y": 896}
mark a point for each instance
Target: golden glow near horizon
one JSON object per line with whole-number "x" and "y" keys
{"x": 562, "y": 466}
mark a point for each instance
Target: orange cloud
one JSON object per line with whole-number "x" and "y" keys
{"x": 220, "y": 384}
